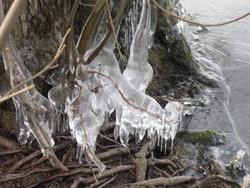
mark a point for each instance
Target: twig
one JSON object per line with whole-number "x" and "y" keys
{"x": 33, "y": 155}
{"x": 24, "y": 160}
{"x": 90, "y": 25}
{"x": 163, "y": 181}
{"x": 123, "y": 96}
{"x": 104, "y": 184}
{"x": 85, "y": 4}
{"x": 65, "y": 174}
{"x": 44, "y": 158}
{"x": 173, "y": 99}
{"x": 116, "y": 22}
{"x": 161, "y": 162}
{"x": 10, "y": 20}
{"x": 113, "y": 29}
{"x": 197, "y": 23}
{"x": 11, "y": 177}
{"x": 7, "y": 97}
{"x": 57, "y": 55}
{"x": 109, "y": 139}
{"x": 21, "y": 150}
{"x": 106, "y": 173}
{"x": 112, "y": 152}
{"x": 163, "y": 172}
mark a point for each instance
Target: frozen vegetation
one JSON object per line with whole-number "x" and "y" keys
{"x": 85, "y": 102}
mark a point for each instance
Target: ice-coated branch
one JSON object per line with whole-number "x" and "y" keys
{"x": 46, "y": 68}
{"x": 35, "y": 113}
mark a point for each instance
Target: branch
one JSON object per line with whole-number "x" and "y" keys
{"x": 10, "y": 20}
{"x": 57, "y": 55}
{"x": 7, "y": 97}
{"x": 166, "y": 182}
{"x": 124, "y": 97}
{"x": 197, "y": 23}
{"x": 107, "y": 173}
{"x": 115, "y": 23}
{"x": 90, "y": 25}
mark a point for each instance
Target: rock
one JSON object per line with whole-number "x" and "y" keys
{"x": 207, "y": 137}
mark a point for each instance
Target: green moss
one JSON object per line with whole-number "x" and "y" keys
{"x": 207, "y": 137}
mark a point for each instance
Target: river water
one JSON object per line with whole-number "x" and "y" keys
{"x": 224, "y": 54}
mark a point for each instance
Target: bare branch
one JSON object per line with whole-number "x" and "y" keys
{"x": 7, "y": 97}
{"x": 57, "y": 55}
{"x": 90, "y": 26}
{"x": 197, "y": 23}
{"x": 10, "y": 20}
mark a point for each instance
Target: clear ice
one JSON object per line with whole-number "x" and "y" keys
{"x": 101, "y": 88}
{"x": 35, "y": 113}
{"x": 84, "y": 102}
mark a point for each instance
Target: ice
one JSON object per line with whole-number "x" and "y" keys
{"x": 138, "y": 71}
{"x": 59, "y": 96}
{"x": 100, "y": 88}
{"x": 35, "y": 113}
{"x": 153, "y": 24}
{"x": 88, "y": 94}
{"x": 137, "y": 112}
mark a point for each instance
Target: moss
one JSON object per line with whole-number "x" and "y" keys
{"x": 207, "y": 137}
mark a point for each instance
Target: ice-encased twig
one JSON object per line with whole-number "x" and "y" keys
{"x": 138, "y": 71}
{"x": 35, "y": 113}
{"x": 91, "y": 104}
{"x": 137, "y": 113}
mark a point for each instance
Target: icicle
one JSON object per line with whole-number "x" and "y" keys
{"x": 138, "y": 71}
{"x": 154, "y": 18}
{"x": 59, "y": 96}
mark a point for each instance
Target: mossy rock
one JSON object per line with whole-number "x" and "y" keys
{"x": 207, "y": 137}
{"x": 215, "y": 182}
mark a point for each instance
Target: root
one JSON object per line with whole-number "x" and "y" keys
{"x": 163, "y": 181}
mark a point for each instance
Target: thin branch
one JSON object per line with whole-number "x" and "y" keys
{"x": 57, "y": 55}
{"x": 104, "y": 184}
{"x": 86, "y": 5}
{"x": 64, "y": 174}
{"x": 107, "y": 173}
{"x": 11, "y": 177}
{"x": 124, "y": 97}
{"x": 109, "y": 139}
{"x": 173, "y": 99}
{"x": 116, "y": 22}
{"x": 197, "y": 23}
{"x": 7, "y": 97}
{"x": 24, "y": 160}
{"x": 90, "y": 25}
{"x": 164, "y": 181}
{"x": 112, "y": 152}
{"x": 10, "y": 19}
{"x": 73, "y": 13}
{"x": 113, "y": 29}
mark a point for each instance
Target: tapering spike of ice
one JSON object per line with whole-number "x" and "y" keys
{"x": 154, "y": 18}
{"x": 59, "y": 96}
{"x": 138, "y": 71}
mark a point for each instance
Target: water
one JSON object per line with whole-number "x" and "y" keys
{"x": 224, "y": 53}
